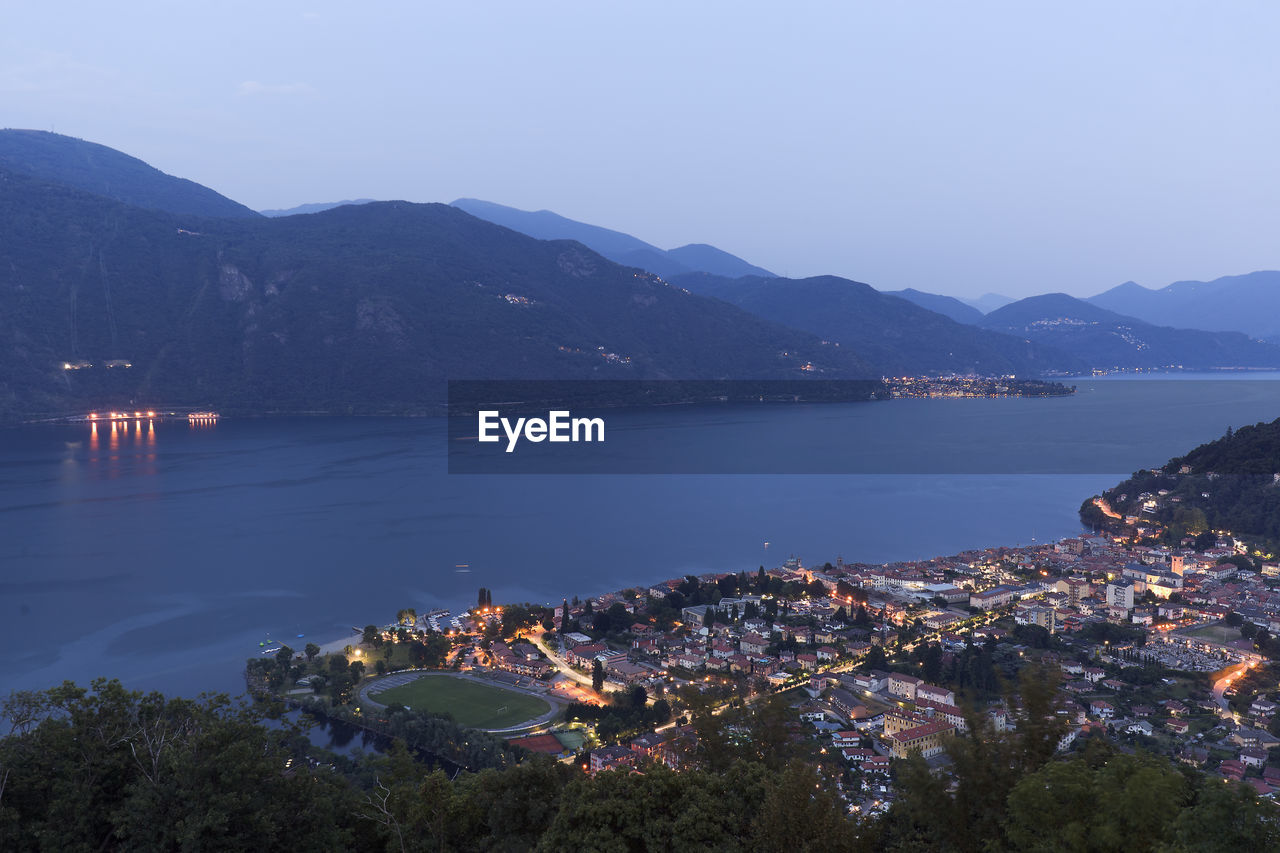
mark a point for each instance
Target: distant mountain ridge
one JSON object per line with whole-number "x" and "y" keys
{"x": 948, "y": 306}
{"x": 615, "y": 245}
{"x": 1243, "y": 303}
{"x": 316, "y": 207}
{"x": 894, "y": 333}
{"x": 988, "y": 302}
{"x": 106, "y": 172}
{"x": 1105, "y": 339}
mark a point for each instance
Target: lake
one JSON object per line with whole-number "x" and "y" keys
{"x": 165, "y": 556}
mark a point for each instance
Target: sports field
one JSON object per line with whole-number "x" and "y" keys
{"x": 1218, "y": 632}
{"x": 472, "y": 704}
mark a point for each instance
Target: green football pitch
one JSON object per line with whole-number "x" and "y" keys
{"x": 472, "y": 704}
{"x": 1219, "y": 632}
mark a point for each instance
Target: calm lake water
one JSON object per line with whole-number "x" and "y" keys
{"x": 165, "y": 556}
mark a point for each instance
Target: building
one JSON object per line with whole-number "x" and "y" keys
{"x": 930, "y": 693}
{"x": 611, "y": 758}
{"x": 753, "y": 644}
{"x": 939, "y": 711}
{"x": 872, "y": 682}
{"x": 904, "y": 686}
{"x": 991, "y": 599}
{"x": 695, "y": 615}
{"x": 847, "y": 705}
{"x": 1120, "y": 594}
{"x": 1045, "y": 617}
{"x": 1075, "y": 589}
{"x": 585, "y": 655}
{"x": 928, "y": 739}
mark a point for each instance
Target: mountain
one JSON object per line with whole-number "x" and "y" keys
{"x": 699, "y": 257}
{"x": 357, "y": 309}
{"x": 107, "y": 172}
{"x": 614, "y": 245}
{"x": 895, "y": 334}
{"x": 318, "y": 207}
{"x": 947, "y": 306}
{"x": 1104, "y": 339}
{"x": 988, "y": 302}
{"x": 1241, "y": 303}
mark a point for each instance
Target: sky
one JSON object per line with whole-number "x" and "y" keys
{"x": 957, "y": 148}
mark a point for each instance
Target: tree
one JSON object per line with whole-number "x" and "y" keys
{"x": 626, "y": 811}
{"x": 371, "y": 635}
{"x": 407, "y": 617}
{"x": 875, "y": 659}
{"x": 1115, "y": 805}
{"x": 597, "y": 676}
{"x": 108, "y": 768}
{"x": 311, "y": 650}
{"x": 932, "y": 663}
{"x": 971, "y": 813}
{"x": 1226, "y": 817}
{"x": 800, "y": 812}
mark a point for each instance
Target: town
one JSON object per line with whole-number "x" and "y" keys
{"x": 1154, "y": 648}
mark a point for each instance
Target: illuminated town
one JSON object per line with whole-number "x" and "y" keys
{"x": 1158, "y": 648}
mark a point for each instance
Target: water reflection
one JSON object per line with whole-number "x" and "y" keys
{"x": 117, "y": 460}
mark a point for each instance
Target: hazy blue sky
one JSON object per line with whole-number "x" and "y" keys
{"x": 952, "y": 147}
